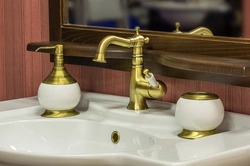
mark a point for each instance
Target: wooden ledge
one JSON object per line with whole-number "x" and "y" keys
{"x": 230, "y": 66}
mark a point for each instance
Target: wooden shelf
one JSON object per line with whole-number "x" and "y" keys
{"x": 232, "y": 70}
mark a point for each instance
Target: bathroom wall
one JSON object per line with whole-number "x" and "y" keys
{"x": 246, "y": 18}
{"x": 21, "y": 22}
{"x": 24, "y": 21}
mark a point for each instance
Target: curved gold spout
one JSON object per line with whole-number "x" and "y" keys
{"x": 201, "y": 31}
{"x": 197, "y": 31}
{"x": 101, "y": 50}
{"x": 140, "y": 87}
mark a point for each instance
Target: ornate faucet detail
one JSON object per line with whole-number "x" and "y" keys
{"x": 142, "y": 83}
{"x": 197, "y": 31}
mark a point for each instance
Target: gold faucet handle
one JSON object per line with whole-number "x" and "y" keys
{"x": 137, "y": 28}
{"x": 177, "y": 27}
{"x": 150, "y": 78}
{"x": 147, "y": 73}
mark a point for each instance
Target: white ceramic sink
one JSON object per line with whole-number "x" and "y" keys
{"x": 149, "y": 138}
{"x": 69, "y": 137}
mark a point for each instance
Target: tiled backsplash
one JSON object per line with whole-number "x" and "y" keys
{"x": 21, "y": 72}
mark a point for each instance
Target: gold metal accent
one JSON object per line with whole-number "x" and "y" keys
{"x": 197, "y": 31}
{"x": 147, "y": 73}
{"x": 59, "y": 75}
{"x": 59, "y": 113}
{"x": 115, "y": 137}
{"x": 140, "y": 89}
{"x": 200, "y": 96}
{"x": 196, "y": 134}
{"x": 177, "y": 26}
{"x": 201, "y": 31}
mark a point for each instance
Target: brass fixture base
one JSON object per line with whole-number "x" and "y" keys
{"x": 196, "y": 134}
{"x": 59, "y": 113}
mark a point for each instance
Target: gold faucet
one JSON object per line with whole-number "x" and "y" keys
{"x": 197, "y": 31}
{"x": 142, "y": 83}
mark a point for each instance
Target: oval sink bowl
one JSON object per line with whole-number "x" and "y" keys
{"x": 105, "y": 133}
{"x": 68, "y": 137}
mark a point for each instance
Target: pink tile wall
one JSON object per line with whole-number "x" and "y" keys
{"x": 24, "y": 21}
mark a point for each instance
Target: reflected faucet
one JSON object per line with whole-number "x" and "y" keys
{"x": 142, "y": 83}
{"x": 197, "y": 31}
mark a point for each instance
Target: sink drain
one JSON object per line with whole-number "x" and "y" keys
{"x": 115, "y": 137}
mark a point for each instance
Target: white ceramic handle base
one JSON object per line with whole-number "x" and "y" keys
{"x": 199, "y": 115}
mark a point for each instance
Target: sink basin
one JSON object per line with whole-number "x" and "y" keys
{"x": 105, "y": 133}
{"x": 69, "y": 137}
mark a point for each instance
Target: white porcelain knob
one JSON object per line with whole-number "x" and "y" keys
{"x": 199, "y": 111}
{"x": 59, "y": 97}
{"x": 150, "y": 78}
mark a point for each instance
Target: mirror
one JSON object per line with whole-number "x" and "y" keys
{"x": 222, "y": 17}
{"x": 188, "y": 56}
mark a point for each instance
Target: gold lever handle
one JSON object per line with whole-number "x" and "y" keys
{"x": 147, "y": 73}
{"x": 150, "y": 78}
{"x": 145, "y": 39}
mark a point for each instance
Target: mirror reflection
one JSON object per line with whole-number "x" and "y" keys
{"x": 222, "y": 17}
